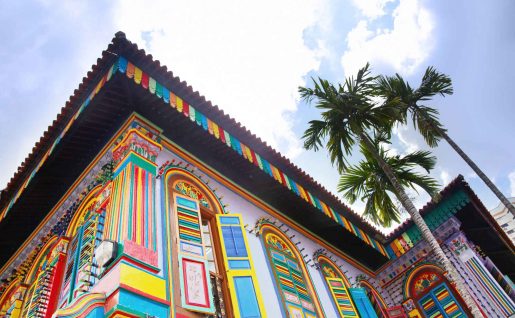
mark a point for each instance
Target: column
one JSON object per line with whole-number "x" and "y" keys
{"x": 473, "y": 270}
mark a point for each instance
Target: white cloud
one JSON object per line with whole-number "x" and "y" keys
{"x": 247, "y": 57}
{"x": 371, "y": 8}
{"x": 472, "y": 175}
{"x": 511, "y": 177}
{"x": 407, "y": 139}
{"x": 404, "y": 47}
{"x": 445, "y": 177}
{"x": 392, "y": 150}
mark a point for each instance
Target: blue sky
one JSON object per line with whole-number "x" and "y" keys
{"x": 250, "y": 58}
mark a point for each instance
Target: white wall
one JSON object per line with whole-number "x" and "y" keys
{"x": 250, "y": 214}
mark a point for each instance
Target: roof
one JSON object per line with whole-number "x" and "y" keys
{"x": 65, "y": 150}
{"x": 478, "y": 224}
{"x": 72, "y": 141}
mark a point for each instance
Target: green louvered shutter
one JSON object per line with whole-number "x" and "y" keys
{"x": 196, "y": 291}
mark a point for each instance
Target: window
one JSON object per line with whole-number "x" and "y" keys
{"x": 211, "y": 266}
{"x": 216, "y": 280}
{"x": 40, "y": 298}
{"x": 291, "y": 277}
{"x": 241, "y": 278}
{"x": 338, "y": 286}
{"x": 375, "y": 299}
{"x": 432, "y": 294}
{"x": 85, "y": 231}
{"x": 201, "y": 275}
{"x": 11, "y": 299}
{"x": 440, "y": 302}
{"x": 208, "y": 244}
{"x": 81, "y": 268}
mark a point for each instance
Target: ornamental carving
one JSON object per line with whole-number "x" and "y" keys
{"x": 192, "y": 192}
{"x": 328, "y": 271}
{"x": 140, "y": 141}
{"x": 458, "y": 245}
{"x": 409, "y": 305}
{"x": 277, "y": 243}
{"x": 424, "y": 281}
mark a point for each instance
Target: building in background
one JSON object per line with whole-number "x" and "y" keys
{"x": 505, "y": 219}
{"x": 144, "y": 200}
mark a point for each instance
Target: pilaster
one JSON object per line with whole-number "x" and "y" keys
{"x": 130, "y": 281}
{"x": 475, "y": 273}
{"x": 130, "y": 218}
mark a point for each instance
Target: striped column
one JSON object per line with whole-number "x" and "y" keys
{"x": 479, "y": 274}
{"x": 130, "y": 218}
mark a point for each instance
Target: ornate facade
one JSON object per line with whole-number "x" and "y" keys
{"x": 144, "y": 200}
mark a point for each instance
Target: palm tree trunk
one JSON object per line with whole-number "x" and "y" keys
{"x": 424, "y": 229}
{"x": 474, "y": 167}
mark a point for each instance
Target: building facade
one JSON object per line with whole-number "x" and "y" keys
{"x": 144, "y": 200}
{"x": 505, "y": 219}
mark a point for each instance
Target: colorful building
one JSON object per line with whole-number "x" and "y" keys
{"x": 505, "y": 219}
{"x": 144, "y": 200}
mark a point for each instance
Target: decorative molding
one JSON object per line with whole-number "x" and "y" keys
{"x": 288, "y": 266}
{"x": 176, "y": 102}
{"x": 442, "y": 212}
{"x": 192, "y": 172}
{"x": 59, "y": 222}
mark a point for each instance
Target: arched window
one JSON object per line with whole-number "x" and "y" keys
{"x": 85, "y": 233}
{"x": 428, "y": 290}
{"x": 296, "y": 290}
{"x": 338, "y": 285}
{"x": 11, "y": 299}
{"x": 41, "y": 279}
{"x": 375, "y": 298}
{"x": 211, "y": 266}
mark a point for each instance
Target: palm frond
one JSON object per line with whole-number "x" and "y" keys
{"x": 420, "y": 158}
{"x": 424, "y": 119}
{"x": 347, "y": 111}
{"x": 368, "y": 182}
{"x": 381, "y": 210}
{"x": 428, "y": 184}
{"x": 433, "y": 83}
{"x": 314, "y": 135}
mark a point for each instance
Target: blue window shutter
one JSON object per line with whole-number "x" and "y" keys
{"x": 363, "y": 304}
{"x": 243, "y": 285}
{"x": 234, "y": 241}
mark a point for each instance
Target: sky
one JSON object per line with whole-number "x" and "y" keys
{"x": 250, "y": 57}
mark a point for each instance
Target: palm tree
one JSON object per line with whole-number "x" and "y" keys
{"x": 368, "y": 182}
{"x": 425, "y": 118}
{"x": 349, "y": 116}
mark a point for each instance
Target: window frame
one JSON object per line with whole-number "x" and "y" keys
{"x": 268, "y": 229}
{"x": 205, "y": 214}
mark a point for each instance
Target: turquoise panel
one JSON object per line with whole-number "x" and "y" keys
{"x": 96, "y": 313}
{"x": 239, "y": 264}
{"x": 363, "y": 304}
{"x": 229, "y": 220}
{"x": 142, "y": 305}
{"x": 187, "y": 203}
{"x": 246, "y": 294}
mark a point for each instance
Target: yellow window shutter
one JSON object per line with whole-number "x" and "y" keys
{"x": 243, "y": 284}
